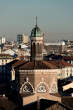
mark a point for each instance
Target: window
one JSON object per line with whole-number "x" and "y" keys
{"x": 27, "y": 88}
{"x": 58, "y": 74}
{"x": 53, "y": 88}
{"x": 42, "y": 88}
{"x": 2, "y": 61}
{"x": 67, "y": 72}
{"x": 33, "y": 47}
{"x": 71, "y": 70}
{"x": 6, "y": 61}
{"x": 70, "y": 75}
{"x": 39, "y": 48}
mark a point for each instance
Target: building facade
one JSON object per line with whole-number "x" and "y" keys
{"x": 57, "y": 47}
{"x": 21, "y": 38}
{"x": 2, "y": 40}
{"x": 4, "y": 59}
{"x": 36, "y": 75}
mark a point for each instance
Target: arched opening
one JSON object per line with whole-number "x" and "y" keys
{"x": 53, "y": 88}
{"x": 33, "y": 50}
{"x": 27, "y": 88}
{"x": 42, "y": 88}
{"x": 39, "y": 48}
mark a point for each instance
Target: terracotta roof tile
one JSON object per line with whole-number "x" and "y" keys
{"x": 21, "y": 64}
{"x": 18, "y": 63}
{"x": 37, "y": 65}
{"x": 60, "y": 63}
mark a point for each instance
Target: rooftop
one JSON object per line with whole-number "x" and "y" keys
{"x": 60, "y": 63}
{"x": 18, "y": 63}
{"x": 29, "y": 65}
{"x": 5, "y": 56}
{"x": 37, "y": 65}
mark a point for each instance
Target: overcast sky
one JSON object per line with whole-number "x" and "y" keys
{"x": 55, "y": 18}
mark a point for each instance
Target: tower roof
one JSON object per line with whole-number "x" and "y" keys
{"x": 36, "y": 32}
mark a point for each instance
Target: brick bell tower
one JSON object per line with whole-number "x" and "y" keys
{"x": 36, "y": 44}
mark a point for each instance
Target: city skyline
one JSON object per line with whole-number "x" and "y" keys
{"x": 54, "y": 18}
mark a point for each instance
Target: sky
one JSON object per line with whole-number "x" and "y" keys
{"x": 55, "y": 18}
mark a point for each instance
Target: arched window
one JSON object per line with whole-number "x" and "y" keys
{"x": 27, "y": 87}
{"x": 53, "y": 88}
{"x": 42, "y": 88}
{"x": 33, "y": 48}
{"x": 39, "y": 48}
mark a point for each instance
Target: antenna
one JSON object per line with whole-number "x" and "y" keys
{"x": 36, "y": 21}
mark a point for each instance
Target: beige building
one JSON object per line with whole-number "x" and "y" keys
{"x": 38, "y": 78}
{"x": 25, "y": 38}
{"x": 5, "y": 58}
{"x": 57, "y": 47}
{"x": 21, "y": 38}
{"x": 2, "y": 40}
{"x": 65, "y": 72}
{"x": 65, "y": 69}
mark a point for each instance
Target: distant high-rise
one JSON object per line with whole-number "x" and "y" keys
{"x": 21, "y": 38}
{"x": 2, "y": 40}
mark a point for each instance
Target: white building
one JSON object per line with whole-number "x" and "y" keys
{"x": 2, "y": 40}
{"x": 55, "y": 43}
{"x": 10, "y": 52}
{"x": 56, "y": 47}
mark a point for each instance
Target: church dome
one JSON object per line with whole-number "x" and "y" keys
{"x": 36, "y": 32}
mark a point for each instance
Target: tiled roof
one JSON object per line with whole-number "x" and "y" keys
{"x": 60, "y": 63}
{"x": 37, "y": 65}
{"x": 29, "y": 65}
{"x": 18, "y": 63}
